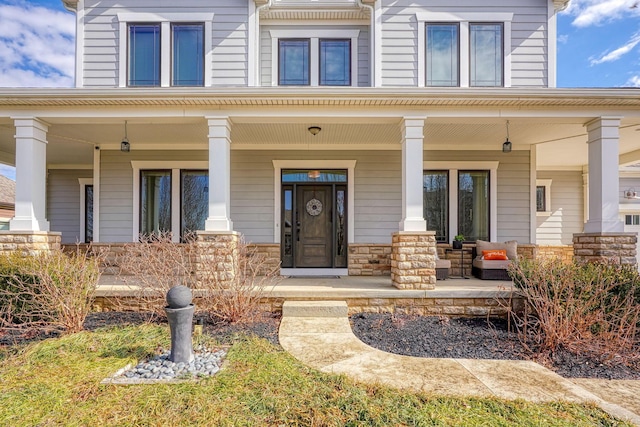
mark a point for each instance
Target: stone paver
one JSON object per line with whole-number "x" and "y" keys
{"x": 329, "y": 345}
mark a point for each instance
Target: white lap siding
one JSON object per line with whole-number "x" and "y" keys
{"x": 566, "y": 213}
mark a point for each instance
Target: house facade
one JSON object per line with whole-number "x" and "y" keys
{"x": 339, "y": 136}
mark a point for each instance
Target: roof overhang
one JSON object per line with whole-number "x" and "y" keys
{"x": 361, "y": 97}
{"x": 560, "y": 4}
{"x": 71, "y": 5}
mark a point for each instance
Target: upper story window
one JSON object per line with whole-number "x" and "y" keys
{"x": 328, "y": 59}
{"x": 170, "y": 49}
{"x": 144, "y": 55}
{"x": 469, "y": 49}
{"x": 486, "y": 52}
{"x": 443, "y": 48}
{"x": 187, "y": 55}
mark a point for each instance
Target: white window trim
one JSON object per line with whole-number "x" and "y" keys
{"x": 175, "y": 168}
{"x": 84, "y": 182}
{"x": 314, "y": 50}
{"x": 165, "y": 20}
{"x": 463, "y": 19}
{"x": 547, "y": 196}
{"x": 349, "y": 165}
{"x": 453, "y": 168}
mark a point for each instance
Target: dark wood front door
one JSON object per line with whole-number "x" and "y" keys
{"x": 314, "y": 244}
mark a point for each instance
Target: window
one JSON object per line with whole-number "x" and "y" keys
{"x": 144, "y": 55}
{"x": 294, "y": 62}
{"x": 632, "y": 219}
{"x": 188, "y": 55}
{"x": 543, "y": 197}
{"x": 464, "y": 49}
{"x": 170, "y": 197}
{"x": 460, "y": 197}
{"x": 486, "y": 49}
{"x": 473, "y": 205}
{"x": 326, "y": 58}
{"x": 436, "y": 203}
{"x": 335, "y": 62}
{"x": 165, "y": 49}
{"x": 442, "y": 55}
{"x": 86, "y": 209}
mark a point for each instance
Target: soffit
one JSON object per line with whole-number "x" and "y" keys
{"x": 288, "y": 10}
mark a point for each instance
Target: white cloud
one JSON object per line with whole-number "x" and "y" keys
{"x": 616, "y": 54}
{"x": 8, "y": 171}
{"x": 597, "y": 12}
{"x": 36, "y": 46}
{"x": 633, "y": 82}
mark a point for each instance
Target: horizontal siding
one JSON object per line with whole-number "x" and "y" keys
{"x": 63, "y": 202}
{"x": 529, "y": 50}
{"x": 513, "y": 188}
{"x": 229, "y": 38}
{"x": 567, "y": 214}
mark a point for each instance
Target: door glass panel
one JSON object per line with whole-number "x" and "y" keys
{"x": 473, "y": 205}
{"x": 155, "y": 201}
{"x": 314, "y": 175}
{"x": 436, "y": 203}
{"x": 88, "y": 213}
{"x": 195, "y": 200}
{"x": 287, "y": 227}
{"x": 341, "y": 229}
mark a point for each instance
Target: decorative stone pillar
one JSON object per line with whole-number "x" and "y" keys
{"x": 218, "y": 256}
{"x": 29, "y": 242}
{"x": 412, "y": 167}
{"x": 616, "y": 247}
{"x": 413, "y": 260}
{"x": 219, "y": 175}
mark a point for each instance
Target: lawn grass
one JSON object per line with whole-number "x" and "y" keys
{"x": 57, "y": 382}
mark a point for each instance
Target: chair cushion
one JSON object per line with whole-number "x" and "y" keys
{"x": 443, "y": 263}
{"x": 491, "y": 265}
{"x": 511, "y": 247}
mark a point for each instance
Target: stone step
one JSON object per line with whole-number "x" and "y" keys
{"x": 314, "y": 309}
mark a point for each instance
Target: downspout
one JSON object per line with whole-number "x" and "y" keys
{"x": 256, "y": 71}
{"x": 372, "y": 39}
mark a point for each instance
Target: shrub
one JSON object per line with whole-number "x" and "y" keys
{"x": 52, "y": 291}
{"x": 589, "y": 308}
{"x": 229, "y": 280}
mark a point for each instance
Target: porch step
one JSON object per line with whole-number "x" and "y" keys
{"x": 314, "y": 309}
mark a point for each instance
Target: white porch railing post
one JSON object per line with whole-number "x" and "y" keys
{"x": 412, "y": 193}
{"x": 31, "y": 174}
{"x": 219, "y": 175}
{"x": 603, "y": 140}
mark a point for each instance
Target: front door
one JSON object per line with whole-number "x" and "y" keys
{"x": 314, "y": 227}
{"x": 314, "y": 242}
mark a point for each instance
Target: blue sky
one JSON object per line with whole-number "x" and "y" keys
{"x": 598, "y": 45}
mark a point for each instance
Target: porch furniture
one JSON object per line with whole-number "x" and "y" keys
{"x": 493, "y": 269}
{"x": 461, "y": 250}
{"x": 442, "y": 268}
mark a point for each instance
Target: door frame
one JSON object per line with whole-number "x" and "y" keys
{"x": 278, "y": 166}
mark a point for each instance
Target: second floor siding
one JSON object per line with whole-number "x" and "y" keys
{"x": 401, "y": 38}
{"x": 105, "y": 58}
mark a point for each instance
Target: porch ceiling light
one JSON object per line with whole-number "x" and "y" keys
{"x": 314, "y": 130}
{"x": 125, "y": 147}
{"x": 314, "y": 174}
{"x": 506, "y": 146}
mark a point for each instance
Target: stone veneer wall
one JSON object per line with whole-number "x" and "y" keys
{"x": 268, "y": 255}
{"x": 369, "y": 260}
{"x": 562, "y": 252}
{"x": 413, "y": 260}
{"x": 31, "y": 242}
{"x": 219, "y": 249}
{"x": 616, "y": 247}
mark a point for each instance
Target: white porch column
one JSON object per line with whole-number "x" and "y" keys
{"x": 31, "y": 175}
{"x": 604, "y": 136}
{"x": 219, "y": 175}
{"x": 412, "y": 193}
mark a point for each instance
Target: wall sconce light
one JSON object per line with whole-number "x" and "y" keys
{"x": 506, "y": 146}
{"x": 315, "y": 174}
{"x": 314, "y": 130}
{"x": 125, "y": 147}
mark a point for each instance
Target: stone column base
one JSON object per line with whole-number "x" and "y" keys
{"x": 217, "y": 257}
{"x": 30, "y": 242}
{"x": 413, "y": 259}
{"x": 616, "y": 247}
